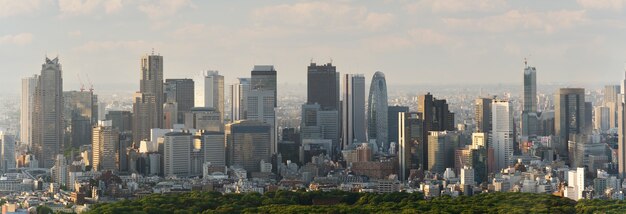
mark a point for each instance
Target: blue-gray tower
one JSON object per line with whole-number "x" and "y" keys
{"x": 377, "y": 112}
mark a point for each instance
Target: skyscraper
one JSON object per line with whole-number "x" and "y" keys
{"x": 210, "y": 91}
{"x": 47, "y": 124}
{"x": 392, "y": 121}
{"x": 263, "y": 78}
{"x": 26, "y": 108}
{"x": 180, "y": 91}
{"x": 404, "y": 145}
{"x": 320, "y": 124}
{"x": 239, "y": 96}
{"x": 80, "y": 114}
{"x": 250, "y": 144}
{"x": 621, "y": 130}
{"x": 122, "y": 120}
{"x": 377, "y": 111}
{"x": 323, "y": 86}
{"x": 7, "y": 151}
{"x": 502, "y": 133}
{"x": 104, "y": 147}
{"x": 482, "y": 114}
{"x": 611, "y": 100}
{"x": 436, "y": 117}
{"x": 353, "y": 109}
{"x": 177, "y": 154}
{"x": 569, "y": 116}
{"x": 213, "y": 145}
{"x": 148, "y": 102}
{"x": 441, "y": 148}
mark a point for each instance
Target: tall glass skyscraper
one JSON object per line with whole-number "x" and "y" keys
{"x": 323, "y": 86}
{"x": 148, "y": 102}
{"x": 377, "y": 111}
{"x": 353, "y": 109}
{"x": 47, "y": 124}
{"x": 530, "y": 121}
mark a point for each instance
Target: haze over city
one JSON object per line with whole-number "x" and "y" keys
{"x": 462, "y": 42}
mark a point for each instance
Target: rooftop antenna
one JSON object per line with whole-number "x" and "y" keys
{"x": 82, "y": 86}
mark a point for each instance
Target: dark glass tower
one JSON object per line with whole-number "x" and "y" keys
{"x": 323, "y": 86}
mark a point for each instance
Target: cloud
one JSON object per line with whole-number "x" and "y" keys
{"x": 74, "y": 34}
{"x": 13, "y": 7}
{"x": 515, "y": 20}
{"x": 456, "y": 6}
{"x": 97, "y": 46}
{"x": 616, "y": 5}
{"x": 17, "y": 39}
{"x": 83, "y": 7}
{"x": 164, "y": 8}
{"x": 324, "y": 15}
{"x": 412, "y": 38}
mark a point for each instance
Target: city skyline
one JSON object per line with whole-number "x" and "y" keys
{"x": 400, "y": 38}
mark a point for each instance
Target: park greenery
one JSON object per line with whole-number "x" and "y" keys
{"x": 350, "y": 202}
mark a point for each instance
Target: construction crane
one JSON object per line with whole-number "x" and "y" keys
{"x": 82, "y": 86}
{"x": 90, "y": 84}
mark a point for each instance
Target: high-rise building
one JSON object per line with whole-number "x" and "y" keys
{"x": 530, "y": 88}
{"x": 441, "y": 148}
{"x": 7, "y": 151}
{"x": 436, "y": 117}
{"x": 214, "y": 147}
{"x": 105, "y": 149}
{"x": 263, "y": 78}
{"x": 26, "y": 108}
{"x": 180, "y": 91}
{"x": 569, "y": 116}
{"x": 210, "y": 91}
{"x": 602, "y": 118}
{"x": 122, "y": 120}
{"x": 611, "y": 100}
{"x": 353, "y": 110}
{"x": 323, "y": 86}
{"x": 377, "y": 112}
{"x": 482, "y": 114}
{"x": 177, "y": 148}
{"x": 204, "y": 118}
{"x": 392, "y": 121}
{"x": 170, "y": 115}
{"x": 47, "y": 124}
{"x": 80, "y": 114}
{"x": 621, "y": 130}
{"x": 148, "y": 102}
{"x": 239, "y": 97}
{"x": 319, "y": 124}
{"x": 249, "y": 144}
{"x": 502, "y": 133}
{"x": 404, "y": 145}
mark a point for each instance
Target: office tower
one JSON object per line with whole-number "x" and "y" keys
{"x": 320, "y": 124}
{"x": 392, "y": 121}
{"x": 180, "y": 91}
{"x": 249, "y": 144}
{"x": 479, "y": 139}
{"x": 569, "y": 116}
{"x": 588, "y": 117}
{"x": 611, "y": 94}
{"x": 122, "y": 120}
{"x": 203, "y": 118}
{"x": 214, "y": 147}
{"x": 436, "y": 117}
{"x": 170, "y": 114}
{"x": 210, "y": 91}
{"x": 530, "y": 88}
{"x": 239, "y": 97}
{"x": 467, "y": 176}
{"x": 47, "y": 125}
{"x": 80, "y": 114}
{"x": 58, "y": 170}
{"x": 404, "y": 145}
{"x": 353, "y": 110}
{"x": 263, "y": 78}
{"x": 621, "y": 130}
{"x": 148, "y": 102}
{"x": 177, "y": 154}
{"x": 377, "y": 112}
{"x": 105, "y": 149}
{"x": 7, "y": 151}
{"x": 602, "y": 118}
{"x": 441, "y": 148}
{"x": 323, "y": 86}
{"x": 502, "y": 133}
{"x": 26, "y": 108}
{"x": 482, "y": 114}
{"x": 414, "y": 126}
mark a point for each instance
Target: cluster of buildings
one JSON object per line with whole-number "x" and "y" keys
{"x": 184, "y": 134}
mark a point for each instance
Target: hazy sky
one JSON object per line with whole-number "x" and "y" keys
{"x": 413, "y": 42}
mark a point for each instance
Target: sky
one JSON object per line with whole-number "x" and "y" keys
{"x": 420, "y": 42}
